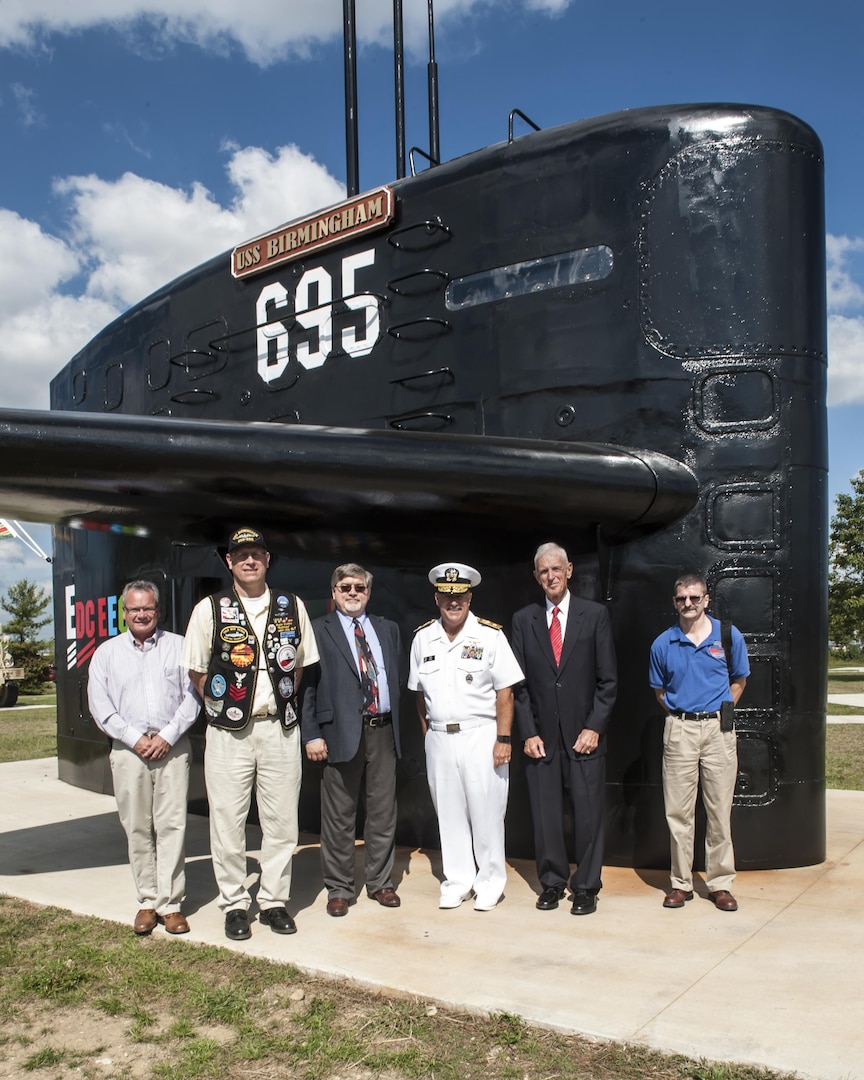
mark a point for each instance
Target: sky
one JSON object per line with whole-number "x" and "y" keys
{"x": 139, "y": 140}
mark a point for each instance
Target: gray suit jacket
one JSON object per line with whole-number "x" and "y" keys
{"x": 332, "y": 700}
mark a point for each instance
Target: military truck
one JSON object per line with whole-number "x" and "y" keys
{"x": 9, "y": 675}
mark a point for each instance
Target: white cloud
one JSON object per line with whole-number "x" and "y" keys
{"x": 266, "y": 30}
{"x": 25, "y": 99}
{"x": 127, "y": 238}
{"x": 843, "y": 290}
{"x": 845, "y": 331}
{"x": 845, "y": 360}
{"x": 32, "y": 263}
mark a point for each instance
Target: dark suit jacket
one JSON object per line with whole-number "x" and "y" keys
{"x": 577, "y": 694}
{"x": 332, "y": 700}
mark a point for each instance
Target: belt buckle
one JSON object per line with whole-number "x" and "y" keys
{"x": 452, "y": 729}
{"x": 372, "y": 720}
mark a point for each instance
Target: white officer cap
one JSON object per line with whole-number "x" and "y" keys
{"x": 454, "y": 577}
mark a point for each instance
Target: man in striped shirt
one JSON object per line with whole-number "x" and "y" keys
{"x": 144, "y": 701}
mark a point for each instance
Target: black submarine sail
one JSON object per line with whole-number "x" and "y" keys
{"x": 610, "y": 333}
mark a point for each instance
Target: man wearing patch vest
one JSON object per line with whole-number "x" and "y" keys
{"x": 246, "y": 648}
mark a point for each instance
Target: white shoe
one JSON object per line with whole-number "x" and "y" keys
{"x": 452, "y": 898}
{"x": 481, "y": 904}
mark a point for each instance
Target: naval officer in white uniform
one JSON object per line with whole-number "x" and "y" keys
{"x": 464, "y": 671}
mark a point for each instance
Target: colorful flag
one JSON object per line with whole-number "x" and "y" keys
{"x": 6, "y": 530}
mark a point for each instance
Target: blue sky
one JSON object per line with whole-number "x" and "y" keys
{"x": 139, "y": 140}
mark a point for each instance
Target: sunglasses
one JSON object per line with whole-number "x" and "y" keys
{"x": 693, "y": 599}
{"x": 349, "y": 588}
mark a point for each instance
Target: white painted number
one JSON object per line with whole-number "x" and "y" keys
{"x": 314, "y": 310}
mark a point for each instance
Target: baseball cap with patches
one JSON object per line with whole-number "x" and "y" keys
{"x": 246, "y": 537}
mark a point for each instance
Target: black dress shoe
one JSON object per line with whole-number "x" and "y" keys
{"x": 278, "y": 919}
{"x": 548, "y": 899}
{"x": 237, "y": 925}
{"x": 584, "y": 903}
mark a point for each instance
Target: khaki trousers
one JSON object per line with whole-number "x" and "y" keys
{"x": 691, "y": 747}
{"x": 151, "y": 801}
{"x": 267, "y": 757}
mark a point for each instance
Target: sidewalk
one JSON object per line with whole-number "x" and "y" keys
{"x": 779, "y": 983}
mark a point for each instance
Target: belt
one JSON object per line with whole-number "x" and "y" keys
{"x": 694, "y": 715}
{"x": 454, "y": 729}
{"x": 377, "y": 719}
{"x": 264, "y": 715}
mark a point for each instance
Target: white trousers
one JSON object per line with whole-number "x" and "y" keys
{"x": 151, "y": 801}
{"x": 691, "y": 748}
{"x": 470, "y": 799}
{"x": 266, "y": 756}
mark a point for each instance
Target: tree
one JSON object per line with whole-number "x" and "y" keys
{"x": 846, "y": 566}
{"x": 26, "y": 603}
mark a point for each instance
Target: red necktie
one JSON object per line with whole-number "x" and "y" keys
{"x": 555, "y": 635}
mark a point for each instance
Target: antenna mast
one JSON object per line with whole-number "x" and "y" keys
{"x": 349, "y": 44}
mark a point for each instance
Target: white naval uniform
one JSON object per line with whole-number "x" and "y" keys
{"x": 459, "y": 680}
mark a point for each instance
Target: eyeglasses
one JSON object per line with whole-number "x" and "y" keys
{"x": 140, "y": 610}
{"x": 693, "y": 599}
{"x": 242, "y": 556}
{"x": 349, "y": 588}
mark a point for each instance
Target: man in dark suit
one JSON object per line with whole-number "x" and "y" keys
{"x": 350, "y": 721}
{"x": 565, "y": 649}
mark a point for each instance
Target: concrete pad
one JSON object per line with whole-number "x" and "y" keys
{"x": 777, "y": 983}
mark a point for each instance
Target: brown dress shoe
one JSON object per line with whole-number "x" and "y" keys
{"x": 337, "y": 906}
{"x": 724, "y": 900}
{"x": 677, "y": 898}
{"x": 175, "y": 923}
{"x": 145, "y": 921}
{"x": 386, "y": 897}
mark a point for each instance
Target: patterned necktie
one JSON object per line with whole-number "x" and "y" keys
{"x": 368, "y": 670}
{"x": 555, "y": 635}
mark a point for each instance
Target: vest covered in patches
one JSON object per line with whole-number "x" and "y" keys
{"x": 229, "y": 689}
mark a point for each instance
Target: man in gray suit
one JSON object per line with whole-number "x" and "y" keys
{"x": 350, "y": 721}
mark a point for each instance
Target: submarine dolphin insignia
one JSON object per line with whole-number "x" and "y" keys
{"x": 610, "y": 334}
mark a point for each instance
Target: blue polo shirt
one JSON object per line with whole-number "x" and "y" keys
{"x": 695, "y": 678}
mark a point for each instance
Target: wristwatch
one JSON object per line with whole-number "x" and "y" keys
{"x": 504, "y": 739}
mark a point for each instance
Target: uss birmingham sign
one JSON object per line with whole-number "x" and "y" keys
{"x": 362, "y": 214}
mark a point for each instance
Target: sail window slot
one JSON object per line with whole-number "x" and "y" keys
{"x": 536, "y": 275}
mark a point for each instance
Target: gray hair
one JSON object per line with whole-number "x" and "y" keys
{"x": 141, "y": 586}
{"x": 690, "y": 579}
{"x": 548, "y": 549}
{"x": 350, "y": 569}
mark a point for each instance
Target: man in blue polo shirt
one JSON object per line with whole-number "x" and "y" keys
{"x": 692, "y": 679}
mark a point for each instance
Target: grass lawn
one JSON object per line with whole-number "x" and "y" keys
{"x": 78, "y": 993}
{"x": 844, "y": 757}
{"x": 28, "y": 733}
